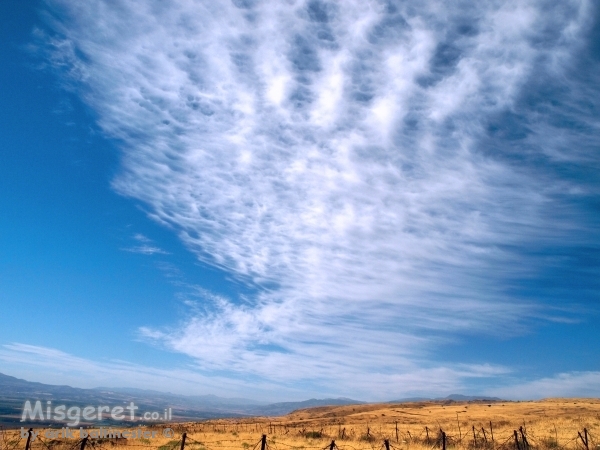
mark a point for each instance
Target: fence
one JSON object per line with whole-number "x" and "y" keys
{"x": 519, "y": 439}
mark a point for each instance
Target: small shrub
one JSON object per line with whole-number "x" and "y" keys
{"x": 169, "y": 445}
{"x": 313, "y": 435}
{"x": 550, "y": 443}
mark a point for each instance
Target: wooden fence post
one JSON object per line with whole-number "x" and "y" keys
{"x": 492, "y": 431}
{"x": 386, "y": 443}
{"x": 263, "y": 442}
{"x": 443, "y": 441}
{"x": 474, "y": 438}
{"x": 332, "y": 445}
{"x": 28, "y": 438}
{"x": 518, "y": 447}
{"x": 396, "y": 431}
{"x": 524, "y": 438}
{"x": 427, "y": 433}
{"x": 183, "y": 436}
{"x": 584, "y": 441}
{"x": 83, "y": 442}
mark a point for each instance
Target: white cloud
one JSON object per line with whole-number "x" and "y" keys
{"x": 146, "y": 250}
{"x": 58, "y": 367}
{"x": 52, "y": 366}
{"x": 146, "y": 246}
{"x": 330, "y": 153}
{"x": 568, "y": 384}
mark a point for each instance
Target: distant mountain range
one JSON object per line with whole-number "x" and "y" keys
{"x": 14, "y": 392}
{"x": 453, "y": 398}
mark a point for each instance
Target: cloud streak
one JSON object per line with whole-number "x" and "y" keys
{"x": 66, "y": 368}
{"x": 354, "y": 162}
{"x": 60, "y": 367}
{"x": 146, "y": 246}
{"x": 63, "y": 368}
{"x": 568, "y": 384}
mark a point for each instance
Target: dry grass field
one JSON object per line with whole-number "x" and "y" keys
{"x": 551, "y": 424}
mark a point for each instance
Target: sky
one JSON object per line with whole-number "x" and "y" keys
{"x": 295, "y": 199}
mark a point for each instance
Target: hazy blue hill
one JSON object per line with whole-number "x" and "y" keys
{"x": 14, "y": 392}
{"x": 276, "y": 409}
{"x": 452, "y": 397}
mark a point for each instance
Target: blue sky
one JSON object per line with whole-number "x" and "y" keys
{"x": 281, "y": 200}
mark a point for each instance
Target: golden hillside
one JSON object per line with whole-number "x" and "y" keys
{"x": 551, "y": 424}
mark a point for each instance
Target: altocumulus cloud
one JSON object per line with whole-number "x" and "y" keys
{"x": 384, "y": 174}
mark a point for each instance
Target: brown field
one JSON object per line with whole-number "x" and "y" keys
{"x": 551, "y": 424}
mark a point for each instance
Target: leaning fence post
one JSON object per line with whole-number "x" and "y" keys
{"x": 525, "y": 443}
{"x": 584, "y": 440}
{"x": 263, "y": 442}
{"x": 518, "y": 447}
{"x": 28, "y": 438}
{"x": 427, "y": 433}
{"x": 492, "y": 431}
{"x": 83, "y": 442}
{"x": 183, "y": 436}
